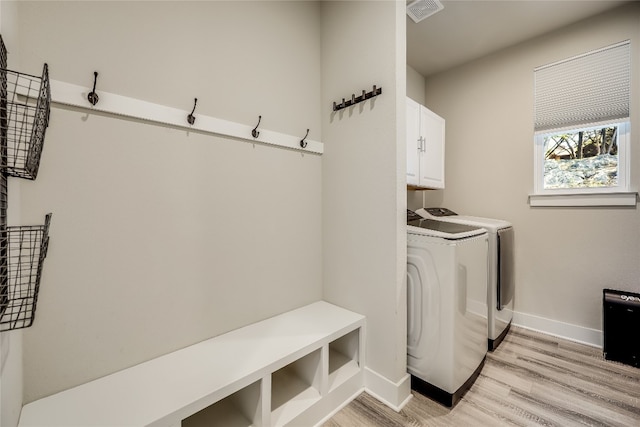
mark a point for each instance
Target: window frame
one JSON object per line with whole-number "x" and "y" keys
{"x": 621, "y": 195}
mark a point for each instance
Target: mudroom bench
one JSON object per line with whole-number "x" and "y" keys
{"x": 294, "y": 368}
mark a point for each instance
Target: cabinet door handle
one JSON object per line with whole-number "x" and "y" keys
{"x": 421, "y": 144}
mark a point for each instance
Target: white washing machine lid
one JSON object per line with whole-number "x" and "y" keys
{"x": 490, "y": 224}
{"x": 442, "y": 229}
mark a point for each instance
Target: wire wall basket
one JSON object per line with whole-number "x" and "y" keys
{"x": 3, "y": 54}
{"x": 27, "y": 109}
{"x": 27, "y": 249}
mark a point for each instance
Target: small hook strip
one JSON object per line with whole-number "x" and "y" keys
{"x": 356, "y": 99}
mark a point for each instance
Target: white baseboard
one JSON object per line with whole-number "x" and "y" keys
{"x": 588, "y": 336}
{"x": 394, "y": 395}
{"x": 339, "y": 408}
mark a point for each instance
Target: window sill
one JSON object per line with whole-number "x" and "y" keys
{"x": 602, "y": 199}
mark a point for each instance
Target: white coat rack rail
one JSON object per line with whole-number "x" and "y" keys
{"x": 76, "y": 96}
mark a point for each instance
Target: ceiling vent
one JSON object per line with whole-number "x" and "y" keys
{"x": 421, "y": 9}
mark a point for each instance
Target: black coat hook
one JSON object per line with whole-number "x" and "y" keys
{"x": 255, "y": 133}
{"x": 93, "y": 96}
{"x": 191, "y": 118}
{"x": 303, "y": 143}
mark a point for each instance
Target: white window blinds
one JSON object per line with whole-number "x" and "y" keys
{"x": 588, "y": 89}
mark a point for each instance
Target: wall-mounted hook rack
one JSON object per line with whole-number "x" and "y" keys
{"x": 122, "y": 106}
{"x": 93, "y": 96}
{"x": 255, "y": 132}
{"x": 356, "y": 99}
{"x": 303, "y": 143}
{"x": 191, "y": 118}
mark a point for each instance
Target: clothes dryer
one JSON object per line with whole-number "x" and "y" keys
{"x": 447, "y": 306}
{"x": 501, "y": 271}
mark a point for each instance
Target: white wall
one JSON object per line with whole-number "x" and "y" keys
{"x": 364, "y": 237}
{"x": 11, "y": 384}
{"x": 415, "y": 85}
{"x": 564, "y": 256}
{"x": 161, "y": 238}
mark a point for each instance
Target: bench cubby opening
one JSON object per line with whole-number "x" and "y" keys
{"x": 240, "y": 409}
{"x": 344, "y": 358}
{"x": 295, "y": 387}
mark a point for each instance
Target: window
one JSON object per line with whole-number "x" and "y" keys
{"x": 583, "y": 160}
{"x": 582, "y": 129}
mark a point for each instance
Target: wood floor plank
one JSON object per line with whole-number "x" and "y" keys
{"x": 503, "y": 410}
{"x": 583, "y": 362}
{"x": 532, "y": 379}
{"x": 509, "y": 379}
{"x": 549, "y": 377}
{"x": 592, "y": 407}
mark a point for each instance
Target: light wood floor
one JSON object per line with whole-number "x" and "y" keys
{"x": 532, "y": 379}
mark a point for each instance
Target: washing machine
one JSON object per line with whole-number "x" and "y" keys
{"x": 447, "y": 306}
{"x": 501, "y": 280}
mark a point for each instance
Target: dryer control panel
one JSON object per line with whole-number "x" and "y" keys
{"x": 440, "y": 211}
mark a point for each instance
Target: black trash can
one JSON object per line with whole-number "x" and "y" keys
{"x": 621, "y": 326}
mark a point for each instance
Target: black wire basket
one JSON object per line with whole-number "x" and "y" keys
{"x": 3, "y": 54}
{"x": 27, "y": 249}
{"x": 26, "y": 105}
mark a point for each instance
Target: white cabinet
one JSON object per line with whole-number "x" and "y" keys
{"x": 425, "y": 147}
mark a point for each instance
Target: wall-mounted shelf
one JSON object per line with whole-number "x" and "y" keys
{"x": 26, "y": 250}
{"x": 26, "y": 105}
{"x": 25, "y": 102}
{"x": 76, "y": 96}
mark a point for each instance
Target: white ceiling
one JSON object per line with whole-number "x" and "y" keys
{"x": 469, "y": 29}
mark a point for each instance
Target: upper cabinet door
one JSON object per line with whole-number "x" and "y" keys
{"x": 432, "y": 128}
{"x": 425, "y": 147}
{"x": 413, "y": 144}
